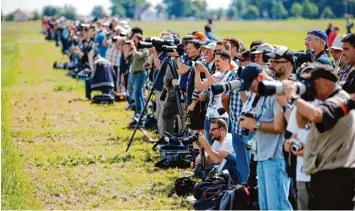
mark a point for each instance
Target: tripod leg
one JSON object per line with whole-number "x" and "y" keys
{"x": 145, "y": 107}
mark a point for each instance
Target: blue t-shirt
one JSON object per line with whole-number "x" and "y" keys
{"x": 100, "y": 40}
{"x": 268, "y": 145}
{"x": 324, "y": 59}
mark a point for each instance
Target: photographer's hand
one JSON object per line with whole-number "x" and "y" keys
{"x": 248, "y": 123}
{"x": 301, "y": 152}
{"x": 289, "y": 88}
{"x": 203, "y": 141}
{"x": 174, "y": 53}
{"x": 287, "y": 145}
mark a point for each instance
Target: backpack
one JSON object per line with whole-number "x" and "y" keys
{"x": 184, "y": 186}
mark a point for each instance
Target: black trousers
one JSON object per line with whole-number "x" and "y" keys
{"x": 332, "y": 190}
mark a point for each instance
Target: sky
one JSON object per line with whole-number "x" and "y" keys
{"x": 83, "y": 7}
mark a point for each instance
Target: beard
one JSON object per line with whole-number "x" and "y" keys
{"x": 280, "y": 72}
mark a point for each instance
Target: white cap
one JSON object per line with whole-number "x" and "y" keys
{"x": 337, "y": 44}
{"x": 211, "y": 46}
{"x": 122, "y": 30}
{"x": 263, "y": 48}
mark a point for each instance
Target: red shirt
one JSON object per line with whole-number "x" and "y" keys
{"x": 331, "y": 38}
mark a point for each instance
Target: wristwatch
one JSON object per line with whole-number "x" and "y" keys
{"x": 258, "y": 124}
{"x": 294, "y": 98}
{"x": 285, "y": 107}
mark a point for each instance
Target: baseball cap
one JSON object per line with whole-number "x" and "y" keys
{"x": 281, "y": 52}
{"x": 200, "y": 36}
{"x": 244, "y": 55}
{"x": 211, "y": 45}
{"x": 324, "y": 71}
{"x": 337, "y": 44}
{"x": 263, "y": 48}
{"x": 319, "y": 33}
{"x": 248, "y": 75}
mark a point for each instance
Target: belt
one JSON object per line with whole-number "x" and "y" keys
{"x": 136, "y": 72}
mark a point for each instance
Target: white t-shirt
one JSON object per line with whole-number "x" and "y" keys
{"x": 302, "y": 135}
{"x": 215, "y": 101}
{"x": 226, "y": 145}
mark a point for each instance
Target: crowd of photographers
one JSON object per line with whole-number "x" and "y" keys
{"x": 283, "y": 120}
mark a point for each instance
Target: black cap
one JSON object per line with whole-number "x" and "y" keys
{"x": 324, "y": 71}
{"x": 248, "y": 75}
{"x": 281, "y": 52}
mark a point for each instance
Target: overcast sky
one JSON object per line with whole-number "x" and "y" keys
{"x": 84, "y": 7}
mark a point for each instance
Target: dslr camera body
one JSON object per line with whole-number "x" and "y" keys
{"x": 245, "y": 132}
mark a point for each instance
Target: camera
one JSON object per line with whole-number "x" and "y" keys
{"x": 144, "y": 45}
{"x": 224, "y": 87}
{"x": 128, "y": 42}
{"x": 304, "y": 57}
{"x": 245, "y": 132}
{"x": 118, "y": 38}
{"x": 296, "y": 146}
{"x": 304, "y": 87}
{"x": 179, "y": 49}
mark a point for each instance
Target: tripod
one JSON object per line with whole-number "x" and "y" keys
{"x": 167, "y": 62}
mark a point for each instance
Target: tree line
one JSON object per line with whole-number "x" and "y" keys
{"x": 238, "y": 9}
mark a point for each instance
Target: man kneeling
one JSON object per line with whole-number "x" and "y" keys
{"x": 221, "y": 148}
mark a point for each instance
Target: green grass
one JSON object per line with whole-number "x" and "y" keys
{"x": 61, "y": 152}
{"x": 16, "y": 192}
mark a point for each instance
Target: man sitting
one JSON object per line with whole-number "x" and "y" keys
{"x": 102, "y": 77}
{"x": 222, "y": 148}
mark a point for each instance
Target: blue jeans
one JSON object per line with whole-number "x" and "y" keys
{"x": 273, "y": 185}
{"x": 243, "y": 156}
{"x": 138, "y": 87}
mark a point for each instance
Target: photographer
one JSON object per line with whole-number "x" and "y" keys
{"x": 99, "y": 41}
{"x": 329, "y": 154}
{"x": 349, "y": 56}
{"x": 259, "y": 57}
{"x": 222, "y": 61}
{"x": 221, "y": 149}
{"x": 113, "y": 55}
{"x": 268, "y": 142}
{"x": 102, "y": 77}
{"x": 158, "y": 58}
{"x": 317, "y": 40}
{"x": 138, "y": 59}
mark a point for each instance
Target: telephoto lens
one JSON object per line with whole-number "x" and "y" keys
{"x": 224, "y": 87}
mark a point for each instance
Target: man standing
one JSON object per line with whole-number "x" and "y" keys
{"x": 329, "y": 154}
{"x": 222, "y": 61}
{"x": 273, "y": 181}
{"x": 317, "y": 40}
{"x": 138, "y": 59}
{"x": 259, "y": 53}
{"x": 349, "y": 56}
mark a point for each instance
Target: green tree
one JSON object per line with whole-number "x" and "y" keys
{"x": 308, "y": 9}
{"x": 10, "y": 17}
{"x": 232, "y": 12}
{"x": 315, "y": 11}
{"x": 251, "y": 13}
{"x": 69, "y": 12}
{"x": 51, "y": 11}
{"x": 279, "y": 11}
{"x": 126, "y": 8}
{"x": 36, "y": 15}
{"x": 97, "y": 11}
{"x": 327, "y": 13}
{"x": 296, "y": 9}
{"x": 175, "y": 8}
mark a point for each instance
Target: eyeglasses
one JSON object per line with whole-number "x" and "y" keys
{"x": 277, "y": 62}
{"x": 212, "y": 129}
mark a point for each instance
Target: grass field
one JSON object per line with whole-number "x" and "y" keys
{"x": 60, "y": 152}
